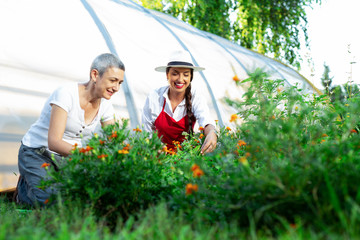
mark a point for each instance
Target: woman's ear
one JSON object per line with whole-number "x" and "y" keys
{"x": 94, "y": 75}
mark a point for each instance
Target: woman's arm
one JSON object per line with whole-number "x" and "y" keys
{"x": 209, "y": 144}
{"x": 57, "y": 125}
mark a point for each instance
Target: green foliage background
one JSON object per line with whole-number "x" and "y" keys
{"x": 271, "y": 27}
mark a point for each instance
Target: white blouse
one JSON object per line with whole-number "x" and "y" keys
{"x": 155, "y": 101}
{"x": 76, "y": 131}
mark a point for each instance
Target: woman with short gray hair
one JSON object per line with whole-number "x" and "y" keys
{"x": 69, "y": 117}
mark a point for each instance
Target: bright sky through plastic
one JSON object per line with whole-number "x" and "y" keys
{"x": 332, "y": 26}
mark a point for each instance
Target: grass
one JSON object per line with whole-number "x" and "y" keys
{"x": 76, "y": 222}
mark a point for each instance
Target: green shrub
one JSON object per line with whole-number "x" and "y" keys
{"x": 290, "y": 159}
{"x": 118, "y": 173}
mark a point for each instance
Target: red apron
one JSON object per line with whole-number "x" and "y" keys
{"x": 171, "y": 130}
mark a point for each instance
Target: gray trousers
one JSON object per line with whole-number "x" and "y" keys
{"x": 31, "y": 175}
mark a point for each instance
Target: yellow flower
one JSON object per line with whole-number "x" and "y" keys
{"x": 122, "y": 151}
{"x": 244, "y": 161}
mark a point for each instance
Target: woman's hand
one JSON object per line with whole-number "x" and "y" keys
{"x": 209, "y": 144}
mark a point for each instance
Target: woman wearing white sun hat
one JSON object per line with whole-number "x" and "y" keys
{"x": 173, "y": 109}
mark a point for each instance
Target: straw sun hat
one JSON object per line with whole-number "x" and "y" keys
{"x": 180, "y": 59}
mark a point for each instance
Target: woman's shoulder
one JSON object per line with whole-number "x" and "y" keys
{"x": 158, "y": 92}
{"x": 195, "y": 92}
{"x": 69, "y": 88}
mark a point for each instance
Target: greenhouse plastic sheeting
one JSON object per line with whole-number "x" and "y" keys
{"x": 45, "y": 44}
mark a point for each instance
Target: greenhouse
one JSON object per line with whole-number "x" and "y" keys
{"x": 45, "y": 44}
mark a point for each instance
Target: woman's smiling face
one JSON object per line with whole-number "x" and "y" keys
{"x": 109, "y": 83}
{"x": 179, "y": 79}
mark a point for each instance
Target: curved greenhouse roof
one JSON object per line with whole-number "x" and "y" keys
{"x": 44, "y": 44}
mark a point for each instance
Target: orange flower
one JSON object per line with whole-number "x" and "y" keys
{"x": 113, "y": 135}
{"x": 324, "y": 135}
{"x": 101, "y": 142}
{"x": 171, "y": 152}
{"x": 236, "y": 78}
{"x": 241, "y": 143}
{"x": 198, "y": 173}
{"x": 127, "y": 147}
{"x": 46, "y": 201}
{"x": 102, "y": 156}
{"x": 137, "y": 129}
{"x": 194, "y": 167}
{"x": 87, "y": 149}
{"x": 201, "y": 136}
{"x": 75, "y": 146}
{"x": 44, "y": 165}
{"x": 168, "y": 150}
{"x": 234, "y": 117}
{"x": 227, "y": 128}
{"x": 201, "y": 129}
{"x": 353, "y": 131}
{"x": 191, "y": 188}
{"x": 247, "y": 154}
{"x": 216, "y": 121}
{"x": 176, "y": 144}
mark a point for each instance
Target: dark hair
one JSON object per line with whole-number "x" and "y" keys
{"x": 188, "y": 101}
{"x": 106, "y": 60}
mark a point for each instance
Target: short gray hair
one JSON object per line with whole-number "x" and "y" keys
{"x": 106, "y": 60}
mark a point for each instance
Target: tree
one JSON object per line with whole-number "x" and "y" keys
{"x": 270, "y": 27}
{"x": 326, "y": 80}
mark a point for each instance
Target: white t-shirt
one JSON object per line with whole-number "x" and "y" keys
{"x": 155, "y": 101}
{"x": 76, "y": 131}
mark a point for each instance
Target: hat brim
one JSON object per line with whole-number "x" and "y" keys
{"x": 163, "y": 68}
